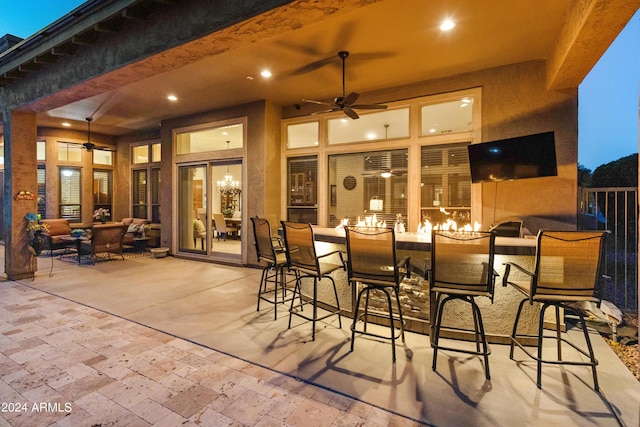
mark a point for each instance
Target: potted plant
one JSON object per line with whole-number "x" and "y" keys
{"x": 36, "y": 231}
{"x": 101, "y": 214}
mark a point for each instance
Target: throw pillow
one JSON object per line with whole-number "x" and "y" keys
{"x": 133, "y": 228}
{"x": 199, "y": 226}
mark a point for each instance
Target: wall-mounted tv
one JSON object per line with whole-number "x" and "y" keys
{"x": 530, "y": 156}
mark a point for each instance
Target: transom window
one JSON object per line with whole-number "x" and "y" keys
{"x": 102, "y": 157}
{"x": 210, "y": 139}
{"x": 69, "y": 152}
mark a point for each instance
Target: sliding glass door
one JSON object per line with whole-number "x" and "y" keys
{"x": 210, "y": 210}
{"x": 192, "y": 196}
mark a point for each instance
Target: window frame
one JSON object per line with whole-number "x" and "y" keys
{"x": 62, "y": 205}
{"x": 109, "y": 205}
{"x": 413, "y": 143}
{"x": 152, "y": 169}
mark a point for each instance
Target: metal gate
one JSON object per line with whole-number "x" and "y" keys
{"x": 616, "y": 210}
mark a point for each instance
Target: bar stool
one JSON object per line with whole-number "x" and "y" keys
{"x": 567, "y": 271}
{"x": 461, "y": 269}
{"x": 303, "y": 260}
{"x": 277, "y": 268}
{"x": 372, "y": 263}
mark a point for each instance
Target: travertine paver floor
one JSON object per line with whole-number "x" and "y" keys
{"x": 65, "y": 364}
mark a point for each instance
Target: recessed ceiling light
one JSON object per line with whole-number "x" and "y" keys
{"x": 447, "y": 24}
{"x": 432, "y": 130}
{"x": 265, "y": 73}
{"x": 172, "y": 98}
{"x": 66, "y": 124}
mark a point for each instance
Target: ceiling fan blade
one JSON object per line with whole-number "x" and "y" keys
{"x": 312, "y": 66}
{"x": 351, "y": 113}
{"x": 311, "y": 101}
{"x": 325, "y": 111}
{"x": 350, "y": 99}
{"x": 370, "y": 106}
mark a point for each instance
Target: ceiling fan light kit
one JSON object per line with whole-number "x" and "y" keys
{"x": 345, "y": 103}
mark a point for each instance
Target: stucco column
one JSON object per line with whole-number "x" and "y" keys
{"x": 20, "y": 174}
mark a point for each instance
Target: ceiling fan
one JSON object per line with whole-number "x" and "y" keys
{"x": 346, "y": 103}
{"x": 90, "y": 145}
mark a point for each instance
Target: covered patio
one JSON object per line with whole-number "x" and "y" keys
{"x": 214, "y": 306}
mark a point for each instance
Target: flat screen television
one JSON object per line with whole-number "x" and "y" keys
{"x": 530, "y": 156}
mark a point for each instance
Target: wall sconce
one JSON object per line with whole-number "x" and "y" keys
{"x": 376, "y": 204}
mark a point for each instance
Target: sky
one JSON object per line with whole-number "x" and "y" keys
{"x": 607, "y": 98}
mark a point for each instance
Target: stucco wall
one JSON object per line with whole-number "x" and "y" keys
{"x": 515, "y": 102}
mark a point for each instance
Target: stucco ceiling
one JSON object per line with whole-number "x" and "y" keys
{"x": 391, "y": 43}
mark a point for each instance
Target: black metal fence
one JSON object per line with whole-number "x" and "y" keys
{"x": 616, "y": 210}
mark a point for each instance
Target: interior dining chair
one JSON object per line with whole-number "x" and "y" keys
{"x": 372, "y": 264}
{"x": 461, "y": 269}
{"x": 567, "y": 271}
{"x": 222, "y": 229}
{"x": 199, "y": 227}
{"x": 276, "y": 270}
{"x": 304, "y": 261}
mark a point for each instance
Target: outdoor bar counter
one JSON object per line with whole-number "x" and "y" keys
{"x": 498, "y": 316}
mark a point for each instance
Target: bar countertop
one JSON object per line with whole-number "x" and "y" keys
{"x": 422, "y": 242}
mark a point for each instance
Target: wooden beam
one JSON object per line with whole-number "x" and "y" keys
{"x": 65, "y": 49}
{"x": 87, "y": 38}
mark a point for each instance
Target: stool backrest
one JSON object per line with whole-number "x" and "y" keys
{"x": 301, "y": 251}
{"x": 264, "y": 244}
{"x": 463, "y": 260}
{"x": 568, "y": 263}
{"x": 372, "y": 254}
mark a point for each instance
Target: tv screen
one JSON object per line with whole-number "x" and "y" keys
{"x": 530, "y": 156}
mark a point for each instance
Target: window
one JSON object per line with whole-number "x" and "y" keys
{"x": 42, "y": 191}
{"x": 102, "y": 189}
{"x": 70, "y": 194}
{"x": 68, "y": 152}
{"x": 211, "y": 139}
{"x": 447, "y": 117}
{"x": 302, "y": 135}
{"x": 370, "y": 127}
{"x": 41, "y": 151}
{"x": 144, "y": 191}
{"x": 302, "y": 185}
{"x": 140, "y": 154}
{"x": 139, "y": 193}
{"x": 155, "y": 152}
{"x": 445, "y": 184}
{"x": 368, "y": 184}
{"x": 102, "y": 157}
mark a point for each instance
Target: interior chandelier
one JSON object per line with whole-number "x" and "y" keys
{"x": 228, "y": 186}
